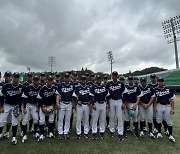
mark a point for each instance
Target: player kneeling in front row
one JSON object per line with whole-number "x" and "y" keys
{"x": 99, "y": 93}
{"x": 131, "y": 99}
{"x": 65, "y": 90}
{"x": 146, "y": 107}
{"x": 164, "y": 107}
{"x": 30, "y": 107}
{"x": 48, "y": 97}
{"x": 12, "y": 93}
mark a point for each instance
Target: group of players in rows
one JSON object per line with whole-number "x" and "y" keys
{"x": 45, "y": 99}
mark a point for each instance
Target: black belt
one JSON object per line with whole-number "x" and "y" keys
{"x": 100, "y": 102}
{"x": 164, "y": 104}
{"x": 116, "y": 99}
{"x": 66, "y": 102}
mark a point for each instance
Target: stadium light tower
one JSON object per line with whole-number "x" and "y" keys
{"x": 171, "y": 29}
{"x": 111, "y": 59}
{"x": 51, "y": 62}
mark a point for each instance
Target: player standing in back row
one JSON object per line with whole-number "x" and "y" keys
{"x": 116, "y": 90}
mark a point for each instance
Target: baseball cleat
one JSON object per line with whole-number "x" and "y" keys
{"x": 121, "y": 137}
{"x": 1, "y": 135}
{"x": 36, "y": 135}
{"x": 141, "y": 134}
{"x": 128, "y": 128}
{"x": 159, "y": 136}
{"x": 111, "y": 135}
{"x": 31, "y": 130}
{"x": 137, "y": 135}
{"x": 66, "y": 136}
{"x": 50, "y": 135}
{"x": 125, "y": 135}
{"x": 78, "y": 137}
{"x": 6, "y": 135}
{"x": 14, "y": 141}
{"x": 102, "y": 136}
{"x": 145, "y": 129}
{"x": 155, "y": 131}
{"x": 86, "y": 136}
{"x": 21, "y": 134}
{"x": 24, "y": 138}
{"x": 166, "y": 133}
{"x": 41, "y": 138}
{"x": 94, "y": 136}
{"x": 151, "y": 135}
{"x": 60, "y": 137}
{"x": 172, "y": 139}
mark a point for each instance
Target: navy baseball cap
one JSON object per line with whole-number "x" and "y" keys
{"x": 121, "y": 77}
{"x": 153, "y": 76}
{"x": 52, "y": 74}
{"x": 57, "y": 75}
{"x": 92, "y": 75}
{"x": 130, "y": 78}
{"x": 50, "y": 78}
{"x": 161, "y": 79}
{"x": 75, "y": 74}
{"x": 105, "y": 77}
{"x": 7, "y": 74}
{"x": 16, "y": 75}
{"x": 83, "y": 77}
{"x": 143, "y": 79}
{"x": 29, "y": 74}
{"x": 42, "y": 74}
{"x": 87, "y": 74}
{"x": 136, "y": 78}
{"x": 67, "y": 75}
{"x": 98, "y": 77}
{"x": 36, "y": 78}
{"x": 115, "y": 73}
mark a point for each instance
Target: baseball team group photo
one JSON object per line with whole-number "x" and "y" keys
{"x": 88, "y": 76}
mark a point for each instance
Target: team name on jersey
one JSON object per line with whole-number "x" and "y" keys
{"x": 47, "y": 93}
{"x": 162, "y": 93}
{"x": 130, "y": 91}
{"x": 33, "y": 93}
{"x": 98, "y": 91}
{"x": 114, "y": 88}
{"x": 144, "y": 92}
{"x": 84, "y": 92}
{"x": 14, "y": 92}
{"x": 66, "y": 90}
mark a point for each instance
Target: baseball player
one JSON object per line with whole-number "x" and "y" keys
{"x": 81, "y": 95}
{"x": 42, "y": 79}
{"x": 30, "y": 107}
{"x": 116, "y": 90}
{"x": 131, "y": 98}
{"x": 136, "y": 81}
{"x": 26, "y": 84}
{"x": 12, "y": 93}
{"x": 122, "y": 79}
{"x": 57, "y": 79}
{"x": 99, "y": 93}
{"x": 105, "y": 81}
{"x": 164, "y": 107}
{"x": 48, "y": 96}
{"x": 8, "y": 79}
{"x": 154, "y": 85}
{"x": 146, "y": 107}
{"x": 65, "y": 90}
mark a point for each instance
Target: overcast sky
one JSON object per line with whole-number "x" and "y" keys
{"x": 79, "y": 33}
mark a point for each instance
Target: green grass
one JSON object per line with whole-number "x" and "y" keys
{"x": 109, "y": 145}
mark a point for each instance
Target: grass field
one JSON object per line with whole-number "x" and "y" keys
{"x": 109, "y": 145}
